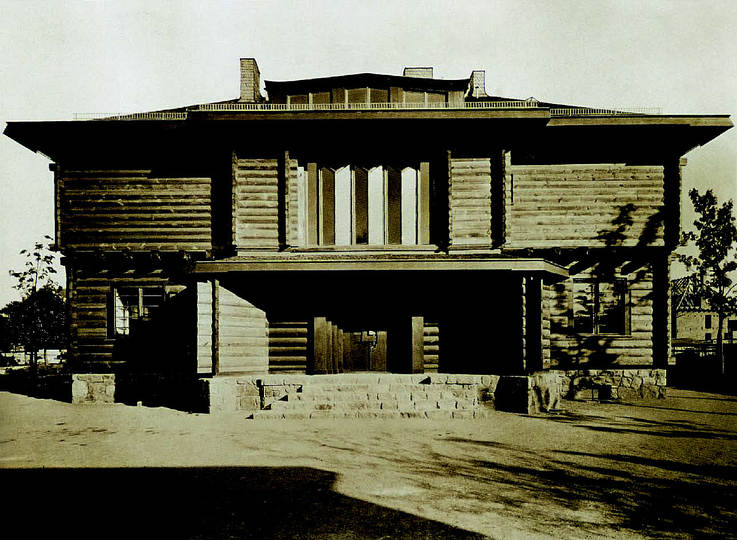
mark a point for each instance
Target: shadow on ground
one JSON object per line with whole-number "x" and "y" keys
{"x": 203, "y": 503}
{"x": 673, "y": 429}
{"x": 595, "y": 494}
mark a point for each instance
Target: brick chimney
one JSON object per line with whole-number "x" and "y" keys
{"x": 250, "y": 81}
{"x": 477, "y": 84}
{"x": 419, "y": 72}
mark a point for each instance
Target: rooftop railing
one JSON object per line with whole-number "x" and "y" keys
{"x": 618, "y": 111}
{"x": 452, "y": 105}
{"x": 134, "y": 116}
{"x": 384, "y": 106}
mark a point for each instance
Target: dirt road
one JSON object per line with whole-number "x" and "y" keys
{"x": 657, "y": 468}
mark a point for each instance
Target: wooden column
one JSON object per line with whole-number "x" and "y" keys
{"x": 215, "y": 326}
{"x": 418, "y": 345}
{"x": 337, "y": 350}
{"x": 423, "y": 204}
{"x": 533, "y": 323}
{"x": 341, "y": 341}
{"x": 319, "y": 345}
{"x": 661, "y": 315}
{"x": 329, "y": 351}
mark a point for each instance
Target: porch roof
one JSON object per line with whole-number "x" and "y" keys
{"x": 392, "y": 262}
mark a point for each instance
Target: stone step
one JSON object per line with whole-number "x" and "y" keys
{"x": 430, "y": 390}
{"x": 371, "y": 396}
{"x": 361, "y": 404}
{"x": 383, "y": 414}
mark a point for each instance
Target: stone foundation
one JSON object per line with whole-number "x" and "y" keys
{"x": 370, "y": 395}
{"x": 615, "y": 384}
{"x": 93, "y": 388}
{"x": 384, "y": 395}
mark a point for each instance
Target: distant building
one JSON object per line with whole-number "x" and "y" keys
{"x": 692, "y": 319}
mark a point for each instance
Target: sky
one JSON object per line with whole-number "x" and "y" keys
{"x": 61, "y": 57}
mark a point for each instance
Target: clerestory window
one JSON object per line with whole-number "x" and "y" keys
{"x": 360, "y": 205}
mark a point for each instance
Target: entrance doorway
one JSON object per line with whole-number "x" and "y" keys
{"x": 365, "y": 350}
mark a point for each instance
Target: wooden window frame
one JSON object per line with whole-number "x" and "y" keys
{"x": 112, "y": 316}
{"x": 320, "y": 223}
{"x": 595, "y": 298}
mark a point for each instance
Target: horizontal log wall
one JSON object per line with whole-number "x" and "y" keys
{"x": 89, "y": 296}
{"x": 256, "y": 204}
{"x": 115, "y": 210}
{"x": 546, "y": 304}
{"x": 288, "y": 347}
{"x": 583, "y": 205}
{"x": 470, "y": 203}
{"x": 243, "y": 343}
{"x": 204, "y": 328}
{"x": 572, "y": 349}
{"x": 431, "y": 346}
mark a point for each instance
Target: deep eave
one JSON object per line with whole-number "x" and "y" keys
{"x": 290, "y": 262}
{"x": 680, "y": 133}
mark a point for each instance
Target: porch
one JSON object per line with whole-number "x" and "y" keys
{"x": 475, "y": 316}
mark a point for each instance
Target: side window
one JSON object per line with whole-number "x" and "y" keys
{"x": 600, "y": 307}
{"x": 129, "y": 307}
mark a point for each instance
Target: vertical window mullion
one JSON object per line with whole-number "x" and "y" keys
{"x": 394, "y": 206}
{"x": 361, "y": 205}
{"x": 327, "y": 206}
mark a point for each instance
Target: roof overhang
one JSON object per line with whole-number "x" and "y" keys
{"x": 532, "y": 130}
{"x": 288, "y": 263}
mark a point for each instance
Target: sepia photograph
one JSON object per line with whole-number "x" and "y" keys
{"x": 343, "y": 269}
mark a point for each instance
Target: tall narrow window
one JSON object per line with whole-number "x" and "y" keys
{"x": 357, "y": 205}
{"x": 409, "y": 206}
{"x": 343, "y": 204}
{"x": 361, "y": 205}
{"x": 301, "y": 206}
{"x": 376, "y": 206}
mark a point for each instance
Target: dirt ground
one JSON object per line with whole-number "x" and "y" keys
{"x": 664, "y": 468}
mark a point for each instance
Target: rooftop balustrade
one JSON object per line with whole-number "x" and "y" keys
{"x": 387, "y": 106}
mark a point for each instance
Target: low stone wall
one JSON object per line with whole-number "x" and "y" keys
{"x": 93, "y": 388}
{"x": 604, "y": 384}
{"x": 56, "y": 386}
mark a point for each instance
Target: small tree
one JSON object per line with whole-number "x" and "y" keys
{"x": 715, "y": 238}
{"x": 38, "y": 320}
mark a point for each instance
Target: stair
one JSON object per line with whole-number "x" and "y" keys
{"x": 370, "y": 396}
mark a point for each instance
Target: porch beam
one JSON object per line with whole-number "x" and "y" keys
{"x": 297, "y": 263}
